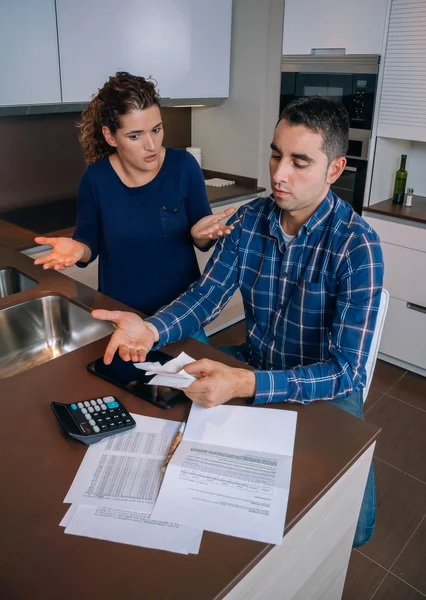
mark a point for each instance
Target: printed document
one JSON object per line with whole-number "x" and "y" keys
{"x": 124, "y": 471}
{"x": 231, "y": 472}
{"x": 130, "y": 527}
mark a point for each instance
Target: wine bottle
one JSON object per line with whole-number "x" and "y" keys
{"x": 400, "y": 182}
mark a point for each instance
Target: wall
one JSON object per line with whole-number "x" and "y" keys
{"x": 41, "y": 159}
{"x": 235, "y": 136}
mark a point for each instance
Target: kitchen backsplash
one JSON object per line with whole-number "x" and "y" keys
{"x": 41, "y": 159}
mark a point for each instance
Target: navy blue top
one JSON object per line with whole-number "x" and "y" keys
{"x": 142, "y": 234}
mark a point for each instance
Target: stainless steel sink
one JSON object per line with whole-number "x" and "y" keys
{"x": 13, "y": 281}
{"x": 39, "y": 330}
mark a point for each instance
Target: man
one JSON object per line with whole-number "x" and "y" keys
{"x": 310, "y": 272}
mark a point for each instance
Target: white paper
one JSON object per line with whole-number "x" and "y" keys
{"x": 251, "y": 428}
{"x": 131, "y": 527}
{"x": 124, "y": 471}
{"x": 231, "y": 472}
{"x": 147, "y": 366}
{"x": 170, "y": 374}
{"x": 68, "y": 516}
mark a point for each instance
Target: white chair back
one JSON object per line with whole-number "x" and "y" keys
{"x": 374, "y": 350}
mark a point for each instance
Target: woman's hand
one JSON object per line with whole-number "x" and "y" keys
{"x": 65, "y": 253}
{"x": 209, "y": 228}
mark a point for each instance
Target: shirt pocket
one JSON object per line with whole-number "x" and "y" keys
{"x": 174, "y": 220}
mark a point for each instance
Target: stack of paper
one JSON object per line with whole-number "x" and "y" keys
{"x": 116, "y": 486}
{"x": 231, "y": 472}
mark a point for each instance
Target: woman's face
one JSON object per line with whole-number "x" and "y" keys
{"x": 139, "y": 138}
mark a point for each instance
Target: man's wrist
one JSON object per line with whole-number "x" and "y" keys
{"x": 245, "y": 384}
{"x": 154, "y": 331}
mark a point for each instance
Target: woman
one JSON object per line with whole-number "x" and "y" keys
{"x": 141, "y": 207}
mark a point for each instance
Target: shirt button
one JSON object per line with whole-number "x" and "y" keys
{"x": 164, "y": 208}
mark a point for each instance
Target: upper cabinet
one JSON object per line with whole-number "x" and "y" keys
{"x": 402, "y": 110}
{"x": 183, "y": 44}
{"x": 356, "y": 25}
{"x": 29, "y": 66}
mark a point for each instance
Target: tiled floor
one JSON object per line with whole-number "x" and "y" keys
{"x": 392, "y": 566}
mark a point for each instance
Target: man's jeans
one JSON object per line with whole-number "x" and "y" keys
{"x": 354, "y": 405}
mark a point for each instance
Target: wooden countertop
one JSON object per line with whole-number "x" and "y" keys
{"x": 38, "y": 561}
{"x": 416, "y": 213}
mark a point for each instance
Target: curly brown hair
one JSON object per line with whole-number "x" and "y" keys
{"x": 121, "y": 94}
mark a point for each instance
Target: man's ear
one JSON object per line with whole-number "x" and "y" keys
{"x": 335, "y": 169}
{"x": 109, "y": 137}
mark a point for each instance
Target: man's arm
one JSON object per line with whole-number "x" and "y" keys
{"x": 205, "y": 299}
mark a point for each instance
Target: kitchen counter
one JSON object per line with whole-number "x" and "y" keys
{"x": 38, "y": 561}
{"x": 416, "y": 212}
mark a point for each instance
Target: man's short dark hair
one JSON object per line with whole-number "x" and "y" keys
{"x": 321, "y": 115}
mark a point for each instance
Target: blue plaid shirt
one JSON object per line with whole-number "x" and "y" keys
{"x": 310, "y": 307}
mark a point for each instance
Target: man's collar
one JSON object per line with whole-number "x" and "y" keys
{"x": 320, "y": 215}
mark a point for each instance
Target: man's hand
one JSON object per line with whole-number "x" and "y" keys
{"x": 133, "y": 337}
{"x": 217, "y": 383}
{"x": 209, "y": 228}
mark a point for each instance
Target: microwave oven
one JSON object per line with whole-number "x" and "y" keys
{"x": 350, "y": 79}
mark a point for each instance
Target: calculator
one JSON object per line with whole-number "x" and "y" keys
{"x": 92, "y": 420}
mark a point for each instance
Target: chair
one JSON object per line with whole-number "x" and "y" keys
{"x": 374, "y": 349}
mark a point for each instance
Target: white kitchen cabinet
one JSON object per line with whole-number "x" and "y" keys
{"x": 184, "y": 44}
{"x": 402, "y": 109}
{"x": 356, "y": 26}
{"x": 234, "y": 310}
{"x": 29, "y": 65}
{"x": 87, "y": 275}
{"x": 404, "y": 251}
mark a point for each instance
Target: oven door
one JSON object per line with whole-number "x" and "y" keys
{"x": 351, "y": 184}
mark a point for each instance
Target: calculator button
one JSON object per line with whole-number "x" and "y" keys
{"x": 99, "y": 401}
{"x": 96, "y": 429}
{"x": 112, "y": 425}
{"x": 91, "y": 409}
{"x": 86, "y": 403}
{"x": 109, "y": 399}
{"x": 92, "y": 422}
{"x": 104, "y": 426}
{"x": 92, "y": 402}
{"x": 103, "y": 406}
{"x": 108, "y": 419}
{"x": 80, "y": 404}
{"x": 123, "y": 414}
{"x": 74, "y": 406}
{"x": 119, "y": 423}
{"x": 97, "y": 408}
{"x": 88, "y": 416}
{"x": 84, "y": 410}
{"x": 112, "y": 404}
{"x": 127, "y": 420}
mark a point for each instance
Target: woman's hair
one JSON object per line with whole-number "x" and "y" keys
{"x": 121, "y": 94}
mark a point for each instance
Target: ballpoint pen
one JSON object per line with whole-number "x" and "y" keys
{"x": 175, "y": 443}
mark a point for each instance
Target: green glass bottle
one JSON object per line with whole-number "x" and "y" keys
{"x": 400, "y": 182}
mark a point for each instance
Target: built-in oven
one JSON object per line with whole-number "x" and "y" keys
{"x": 352, "y": 80}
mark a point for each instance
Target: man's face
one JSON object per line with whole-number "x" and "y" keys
{"x": 300, "y": 175}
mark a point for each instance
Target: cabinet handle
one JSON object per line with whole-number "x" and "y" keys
{"x": 416, "y": 307}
